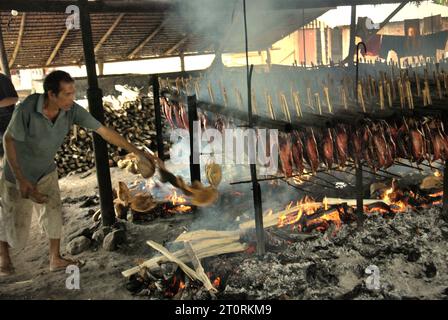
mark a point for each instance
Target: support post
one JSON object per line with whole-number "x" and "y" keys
{"x": 195, "y": 169}
{"x": 95, "y": 98}
{"x": 182, "y": 61}
{"x": 158, "y": 114}
{"x": 359, "y": 191}
{"x": 256, "y": 189}
{"x": 445, "y": 192}
{"x": 3, "y": 57}
{"x": 352, "y": 46}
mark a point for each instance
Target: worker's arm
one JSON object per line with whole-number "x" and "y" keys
{"x": 8, "y": 101}
{"x": 25, "y": 186}
{"x": 113, "y": 137}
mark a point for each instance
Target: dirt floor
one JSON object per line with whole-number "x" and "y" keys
{"x": 409, "y": 251}
{"x": 100, "y": 277}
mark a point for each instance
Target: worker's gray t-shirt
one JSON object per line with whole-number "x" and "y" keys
{"x": 37, "y": 139}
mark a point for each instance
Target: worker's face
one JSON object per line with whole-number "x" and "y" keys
{"x": 64, "y": 99}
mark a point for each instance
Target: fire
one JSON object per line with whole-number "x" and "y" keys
{"x": 386, "y": 196}
{"x": 175, "y": 199}
{"x": 178, "y": 201}
{"x": 437, "y": 173}
{"x": 217, "y": 282}
{"x": 181, "y": 285}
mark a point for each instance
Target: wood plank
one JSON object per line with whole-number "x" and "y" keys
{"x": 147, "y": 39}
{"x": 272, "y": 219}
{"x": 203, "y": 250}
{"x": 19, "y": 40}
{"x": 108, "y": 33}
{"x": 177, "y": 45}
{"x": 199, "y": 269}
{"x": 206, "y": 234}
{"x": 58, "y": 46}
{"x": 188, "y": 271}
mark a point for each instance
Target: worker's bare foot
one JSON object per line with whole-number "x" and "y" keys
{"x": 61, "y": 263}
{"x": 6, "y": 270}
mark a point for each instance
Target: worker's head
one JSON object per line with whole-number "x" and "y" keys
{"x": 59, "y": 89}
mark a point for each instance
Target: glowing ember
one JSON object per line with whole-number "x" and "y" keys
{"x": 217, "y": 282}
{"x": 181, "y": 285}
{"x": 178, "y": 201}
{"x": 437, "y": 173}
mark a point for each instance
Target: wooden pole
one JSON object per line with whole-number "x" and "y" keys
{"x": 158, "y": 116}
{"x": 95, "y": 98}
{"x": 195, "y": 169}
{"x": 351, "y": 52}
{"x": 3, "y": 57}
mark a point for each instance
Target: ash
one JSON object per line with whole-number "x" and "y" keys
{"x": 409, "y": 250}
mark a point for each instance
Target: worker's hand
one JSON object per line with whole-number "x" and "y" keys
{"x": 26, "y": 188}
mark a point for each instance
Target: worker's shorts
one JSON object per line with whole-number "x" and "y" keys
{"x": 16, "y": 212}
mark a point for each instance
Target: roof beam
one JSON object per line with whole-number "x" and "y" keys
{"x": 138, "y": 7}
{"x": 146, "y": 40}
{"x": 108, "y": 33}
{"x": 19, "y": 40}
{"x": 93, "y": 6}
{"x": 177, "y": 45}
{"x": 58, "y": 45}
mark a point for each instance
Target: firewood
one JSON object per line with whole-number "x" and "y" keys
{"x": 188, "y": 271}
{"x": 207, "y": 234}
{"x": 203, "y": 249}
{"x": 199, "y": 269}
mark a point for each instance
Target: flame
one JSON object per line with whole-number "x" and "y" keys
{"x": 325, "y": 202}
{"x": 386, "y": 196}
{"x": 178, "y": 200}
{"x": 306, "y": 206}
{"x": 217, "y": 282}
{"x": 437, "y": 173}
{"x": 181, "y": 285}
{"x": 175, "y": 199}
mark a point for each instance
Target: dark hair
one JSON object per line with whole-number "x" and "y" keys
{"x": 52, "y": 81}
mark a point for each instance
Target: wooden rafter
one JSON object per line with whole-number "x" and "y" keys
{"x": 19, "y": 40}
{"x": 108, "y": 33}
{"x": 176, "y": 46}
{"x": 58, "y": 46}
{"x": 146, "y": 40}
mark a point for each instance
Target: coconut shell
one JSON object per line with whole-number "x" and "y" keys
{"x": 431, "y": 182}
{"x": 142, "y": 202}
{"x": 214, "y": 174}
{"x": 146, "y": 167}
{"x": 123, "y": 193}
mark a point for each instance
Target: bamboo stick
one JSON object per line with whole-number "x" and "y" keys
{"x": 361, "y": 97}
{"x": 188, "y": 271}
{"x": 199, "y": 269}
{"x": 296, "y": 98}
{"x": 327, "y": 97}
{"x": 210, "y": 92}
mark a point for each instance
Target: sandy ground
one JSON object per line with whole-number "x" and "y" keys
{"x": 100, "y": 277}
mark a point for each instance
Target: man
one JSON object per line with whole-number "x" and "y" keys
{"x": 36, "y": 131}
{"x": 8, "y": 99}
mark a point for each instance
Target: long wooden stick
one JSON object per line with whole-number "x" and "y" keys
{"x": 188, "y": 271}
{"x": 199, "y": 269}
{"x": 203, "y": 249}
